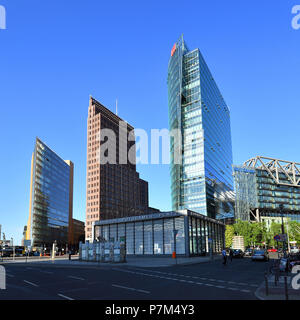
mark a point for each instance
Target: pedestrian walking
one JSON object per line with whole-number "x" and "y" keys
{"x": 224, "y": 255}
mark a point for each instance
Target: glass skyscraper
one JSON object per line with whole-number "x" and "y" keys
{"x": 202, "y": 181}
{"x": 51, "y": 198}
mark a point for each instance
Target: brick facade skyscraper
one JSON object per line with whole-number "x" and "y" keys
{"x": 113, "y": 190}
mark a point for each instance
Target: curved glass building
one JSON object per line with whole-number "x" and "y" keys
{"x": 202, "y": 180}
{"x": 51, "y": 199}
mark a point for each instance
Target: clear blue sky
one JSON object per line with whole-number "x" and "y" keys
{"x": 54, "y": 54}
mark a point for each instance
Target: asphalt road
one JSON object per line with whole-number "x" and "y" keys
{"x": 205, "y": 281}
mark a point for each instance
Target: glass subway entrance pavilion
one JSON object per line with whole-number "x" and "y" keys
{"x": 184, "y": 231}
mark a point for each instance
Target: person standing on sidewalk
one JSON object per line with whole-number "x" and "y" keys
{"x": 224, "y": 255}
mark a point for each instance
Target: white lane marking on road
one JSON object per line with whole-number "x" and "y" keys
{"x": 195, "y": 277}
{"x": 76, "y": 278}
{"x": 131, "y": 289}
{"x": 65, "y": 297}
{"x": 186, "y": 281}
{"x": 48, "y": 272}
{"x": 209, "y": 279}
{"x": 10, "y": 275}
{"x": 246, "y": 291}
{"x": 32, "y": 284}
{"x": 143, "y": 291}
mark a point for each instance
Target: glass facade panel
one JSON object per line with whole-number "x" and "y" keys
{"x": 158, "y": 236}
{"x": 148, "y": 237}
{"x": 169, "y": 235}
{"x": 195, "y": 237}
{"x": 139, "y": 242}
{"x": 199, "y": 236}
{"x": 121, "y": 231}
{"x": 105, "y": 233}
{"x": 113, "y": 232}
{"x": 191, "y": 236}
{"x": 130, "y": 238}
{"x": 180, "y": 238}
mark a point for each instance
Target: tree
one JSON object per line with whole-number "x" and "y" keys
{"x": 229, "y": 234}
{"x": 257, "y": 233}
{"x": 294, "y": 231}
{"x": 244, "y": 229}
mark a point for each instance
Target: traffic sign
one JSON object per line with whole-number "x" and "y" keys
{"x": 280, "y": 237}
{"x": 283, "y": 237}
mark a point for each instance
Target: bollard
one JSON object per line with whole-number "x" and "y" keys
{"x": 267, "y": 284}
{"x": 286, "y": 288}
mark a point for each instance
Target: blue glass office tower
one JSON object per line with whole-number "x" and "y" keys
{"x": 202, "y": 181}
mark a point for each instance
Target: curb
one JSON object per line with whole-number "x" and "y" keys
{"x": 256, "y": 293}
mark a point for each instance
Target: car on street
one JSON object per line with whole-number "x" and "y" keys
{"x": 18, "y": 254}
{"x": 7, "y": 252}
{"x": 248, "y": 252}
{"x": 295, "y": 250}
{"x": 272, "y": 250}
{"x": 260, "y": 255}
{"x": 238, "y": 253}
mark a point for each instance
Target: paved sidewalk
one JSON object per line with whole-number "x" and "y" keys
{"x": 277, "y": 292}
{"x": 150, "y": 262}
